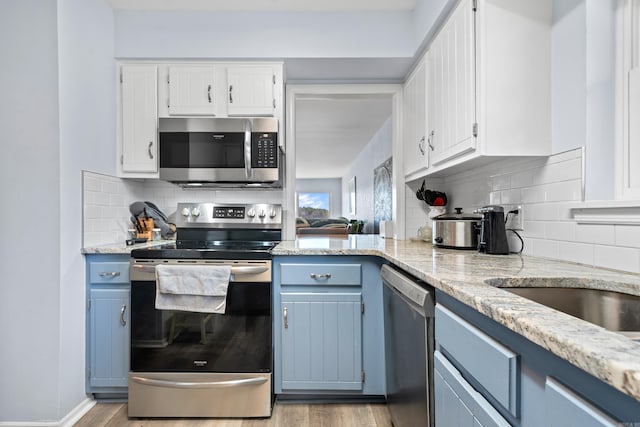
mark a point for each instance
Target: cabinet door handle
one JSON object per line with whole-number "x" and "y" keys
{"x": 320, "y": 276}
{"x": 209, "y": 93}
{"x": 431, "y": 139}
{"x": 149, "y": 149}
{"x": 109, "y": 274}
{"x": 285, "y": 318}
{"x": 122, "y": 310}
{"x": 421, "y": 145}
{"x": 230, "y": 94}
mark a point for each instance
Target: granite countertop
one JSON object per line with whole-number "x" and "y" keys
{"x": 120, "y": 247}
{"x": 466, "y": 276}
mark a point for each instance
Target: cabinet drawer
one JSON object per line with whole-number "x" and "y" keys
{"x": 109, "y": 272}
{"x": 321, "y": 274}
{"x": 491, "y": 364}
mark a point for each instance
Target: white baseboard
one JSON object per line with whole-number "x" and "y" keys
{"x": 69, "y": 420}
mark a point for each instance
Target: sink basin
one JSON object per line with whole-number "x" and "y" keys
{"x": 615, "y": 311}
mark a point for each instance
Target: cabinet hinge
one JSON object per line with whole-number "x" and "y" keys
{"x": 168, "y": 75}
{"x": 474, "y": 5}
{"x": 475, "y": 130}
{"x": 88, "y": 304}
{"x": 362, "y": 307}
{"x": 122, "y": 159}
{"x": 274, "y": 103}
{"x": 274, "y": 79}
{"x": 120, "y": 76}
{"x": 362, "y": 375}
{"x": 89, "y": 373}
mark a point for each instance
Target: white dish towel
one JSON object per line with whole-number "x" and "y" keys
{"x": 196, "y": 288}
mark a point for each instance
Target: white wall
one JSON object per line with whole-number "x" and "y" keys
{"x": 207, "y": 34}
{"x": 30, "y": 217}
{"x": 87, "y": 89}
{"x": 372, "y": 155}
{"x": 583, "y": 87}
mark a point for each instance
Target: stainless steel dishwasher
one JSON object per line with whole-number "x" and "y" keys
{"x": 409, "y": 306}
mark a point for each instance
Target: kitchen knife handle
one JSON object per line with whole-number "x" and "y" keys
{"x": 209, "y": 93}
{"x": 149, "y": 149}
{"x": 122, "y": 310}
{"x": 285, "y": 317}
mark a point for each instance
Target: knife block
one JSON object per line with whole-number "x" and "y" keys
{"x": 147, "y": 228}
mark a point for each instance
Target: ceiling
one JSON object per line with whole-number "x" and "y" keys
{"x": 264, "y": 5}
{"x": 332, "y": 130}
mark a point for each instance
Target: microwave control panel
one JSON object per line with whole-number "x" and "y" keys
{"x": 264, "y": 150}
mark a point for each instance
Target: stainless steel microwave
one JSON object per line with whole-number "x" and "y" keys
{"x": 199, "y": 151}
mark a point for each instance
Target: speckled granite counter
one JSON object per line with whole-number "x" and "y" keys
{"x": 466, "y": 275}
{"x": 120, "y": 248}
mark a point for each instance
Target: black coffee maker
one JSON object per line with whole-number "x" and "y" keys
{"x": 493, "y": 235}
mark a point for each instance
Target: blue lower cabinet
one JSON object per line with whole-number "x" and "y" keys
{"x": 321, "y": 341}
{"x": 457, "y": 403}
{"x": 109, "y": 337}
{"x": 328, "y": 323}
{"x": 566, "y": 408}
{"x": 107, "y": 325}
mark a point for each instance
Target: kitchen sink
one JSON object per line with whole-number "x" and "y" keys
{"x": 615, "y": 311}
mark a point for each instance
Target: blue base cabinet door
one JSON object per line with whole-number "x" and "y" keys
{"x": 109, "y": 337}
{"x": 567, "y": 409}
{"x": 457, "y": 403}
{"x": 321, "y": 341}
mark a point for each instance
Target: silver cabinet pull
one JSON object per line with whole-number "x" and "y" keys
{"x": 285, "y": 317}
{"x": 149, "y": 149}
{"x": 209, "y": 93}
{"x": 230, "y": 94}
{"x": 320, "y": 276}
{"x": 204, "y": 384}
{"x": 430, "y": 139}
{"x": 122, "y": 310}
{"x": 421, "y": 145}
{"x": 109, "y": 274}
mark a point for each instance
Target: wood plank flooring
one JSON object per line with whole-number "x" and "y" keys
{"x": 284, "y": 415}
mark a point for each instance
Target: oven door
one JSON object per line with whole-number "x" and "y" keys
{"x": 186, "y": 364}
{"x": 178, "y": 341}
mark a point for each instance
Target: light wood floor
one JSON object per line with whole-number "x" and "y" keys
{"x": 284, "y": 415}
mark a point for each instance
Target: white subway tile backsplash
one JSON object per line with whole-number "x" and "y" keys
{"x": 557, "y": 172}
{"x": 560, "y": 230}
{"x": 627, "y": 236}
{"x": 495, "y": 198}
{"x": 576, "y": 252}
{"x": 522, "y": 179}
{"x": 512, "y": 197}
{"x": 543, "y": 248}
{"x": 534, "y": 229}
{"x": 601, "y": 234}
{"x": 500, "y": 182}
{"x": 627, "y": 259}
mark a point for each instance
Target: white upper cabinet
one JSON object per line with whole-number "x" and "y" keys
{"x": 416, "y": 156}
{"x": 139, "y": 119}
{"x": 191, "y": 90}
{"x": 489, "y": 83}
{"x": 250, "y": 91}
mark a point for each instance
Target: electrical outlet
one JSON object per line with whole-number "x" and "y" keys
{"x": 516, "y": 220}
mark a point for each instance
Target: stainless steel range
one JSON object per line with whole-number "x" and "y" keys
{"x": 197, "y": 363}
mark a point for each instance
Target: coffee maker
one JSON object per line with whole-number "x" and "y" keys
{"x": 493, "y": 235}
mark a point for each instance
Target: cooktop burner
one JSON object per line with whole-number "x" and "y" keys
{"x": 221, "y": 231}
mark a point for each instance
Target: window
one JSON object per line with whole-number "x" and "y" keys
{"x": 314, "y": 205}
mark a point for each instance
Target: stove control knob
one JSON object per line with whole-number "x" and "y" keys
{"x": 251, "y": 213}
{"x": 272, "y": 213}
{"x": 262, "y": 214}
{"x": 186, "y": 212}
{"x": 195, "y": 212}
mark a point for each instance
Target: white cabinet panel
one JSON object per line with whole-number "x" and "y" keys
{"x": 139, "y": 118}
{"x": 191, "y": 90}
{"x": 250, "y": 91}
{"x": 416, "y": 156}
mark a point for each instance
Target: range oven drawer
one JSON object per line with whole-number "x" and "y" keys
{"x": 172, "y": 394}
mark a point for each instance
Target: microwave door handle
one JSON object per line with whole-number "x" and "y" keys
{"x": 247, "y": 148}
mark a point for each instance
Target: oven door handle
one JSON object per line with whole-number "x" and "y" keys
{"x": 236, "y": 271}
{"x": 203, "y": 384}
